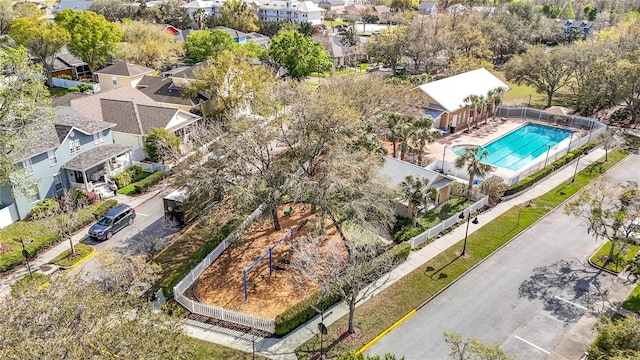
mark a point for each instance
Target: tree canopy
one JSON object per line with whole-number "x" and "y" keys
{"x": 146, "y": 44}
{"x": 203, "y": 44}
{"x": 236, "y": 14}
{"x": 299, "y": 54}
{"x": 93, "y": 38}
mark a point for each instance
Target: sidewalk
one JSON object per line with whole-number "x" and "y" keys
{"x": 6, "y": 280}
{"x": 576, "y": 341}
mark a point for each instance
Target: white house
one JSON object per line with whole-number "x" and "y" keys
{"x": 267, "y": 10}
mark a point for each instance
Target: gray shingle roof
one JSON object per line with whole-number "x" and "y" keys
{"x": 39, "y": 138}
{"x": 125, "y": 69}
{"x": 163, "y": 90}
{"x": 398, "y": 170}
{"x": 95, "y": 156}
{"x": 123, "y": 114}
{"x": 90, "y": 105}
{"x": 152, "y": 117}
{"x": 82, "y": 123}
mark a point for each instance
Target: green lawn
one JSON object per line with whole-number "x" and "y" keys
{"x": 40, "y": 231}
{"x": 29, "y": 283}
{"x": 632, "y": 303}
{"x": 331, "y": 24}
{"x": 57, "y": 91}
{"x": 204, "y": 350}
{"x": 377, "y": 314}
{"x": 518, "y": 95}
{"x": 65, "y": 260}
{"x": 601, "y": 256}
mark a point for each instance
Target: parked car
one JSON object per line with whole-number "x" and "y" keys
{"x": 373, "y": 68}
{"x": 375, "y": 32}
{"x": 400, "y": 71}
{"x": 341, "y": 28}
{"x": 112, "y": 222}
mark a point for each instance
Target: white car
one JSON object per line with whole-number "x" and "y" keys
{"x": 633, "y": 230}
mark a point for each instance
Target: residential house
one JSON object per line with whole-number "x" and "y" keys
{"x": 445, "y": 97}
{"x": 382, "y": 11}
{"x": 456, "y": 9}
{"x": 331, "y": 4}
{"x": 242, "y": 38}
{"x": 71, "y": 65}
{"x": 72, "y": 152}
{"x": 353, "y": 9}
{"x": 397, "y": 171}
{"x": 293, "y": 11}
{"x": 121, "y": 74}
{"x": 483, "y": 9}
{"x": 581, "y": 26}
{"x": 134, "y": 115}
{"x": 167, "y": 94}
{"x": 77, "y": 5}
{"x": 428, "y": 8}
{"x": 210, "y": 7}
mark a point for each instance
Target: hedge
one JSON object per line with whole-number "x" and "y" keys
{"x": 103, "y": 208}
{"x": 532, "y": 179}
{"x": 146, "y": 183}
{"x": 303, "y": 312}
{"x": 45, "y": 208}
{"x": 128, "y": 176}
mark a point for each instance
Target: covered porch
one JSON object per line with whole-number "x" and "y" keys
{"x": 91, "y": 170}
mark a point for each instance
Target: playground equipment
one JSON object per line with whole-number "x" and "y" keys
{"x": 289, "y": 236}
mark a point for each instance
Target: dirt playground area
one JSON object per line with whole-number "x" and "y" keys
{"x": 222, "y": 283}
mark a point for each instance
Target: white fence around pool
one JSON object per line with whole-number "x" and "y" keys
{"x": 428, "y": 234}
{"x": 254, "y": 322}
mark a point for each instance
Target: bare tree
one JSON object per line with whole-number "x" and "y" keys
{"x": 607, "y": 209}
{"x": 354, "y": 274}
{"x": 472, "y": 349}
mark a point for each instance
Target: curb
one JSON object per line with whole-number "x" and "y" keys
{"x": 412, "y": 312}
{"x": 382, "y": 334}
{"x": 89, "y": 255}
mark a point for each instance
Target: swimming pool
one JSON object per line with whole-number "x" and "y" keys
{"x": 518, "y": 148}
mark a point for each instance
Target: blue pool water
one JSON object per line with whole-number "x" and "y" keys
{"x": 521, "y": 146}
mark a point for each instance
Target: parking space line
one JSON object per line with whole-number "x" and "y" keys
{"x": 141, "y": 214}
{"x": 532, "y": 344}
{"x": 572, "y": 303}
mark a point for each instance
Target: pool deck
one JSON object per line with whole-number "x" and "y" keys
{"x": 485, "y": 134}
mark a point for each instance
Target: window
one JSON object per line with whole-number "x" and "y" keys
{"x": 33, "y": 193}
{"x": 53, "y": 160}
{"x": 28, "y": 166}
{"x": 74, "y": 146}
{"x": 57, "y": 181}
{"x": 98, "y": 138}
{"x": 114, "y": 80}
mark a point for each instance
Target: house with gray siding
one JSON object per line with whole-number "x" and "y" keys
{"x": 72, "y": 152}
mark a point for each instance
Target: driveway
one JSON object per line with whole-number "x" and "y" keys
{"x": 524, "y": 298}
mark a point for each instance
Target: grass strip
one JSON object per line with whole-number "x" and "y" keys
{"x": 204, "y": 350}
{"x": 66, "y": 260}
{"x": 632, "y": 303}
{"x": 28, "y": 284}
{"x": 377, "y": 314}
{"x": 601, "y": 257}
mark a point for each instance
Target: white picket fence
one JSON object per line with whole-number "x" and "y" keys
{"x": 428, "y": 234}
{"x": 254, "y": 322}
{"x": 64, "y": 83}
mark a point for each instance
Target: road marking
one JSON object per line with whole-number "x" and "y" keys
{"x": 141, "y": 214}
{"x": 572, "y": 303}
{"x": 532, "y": 344}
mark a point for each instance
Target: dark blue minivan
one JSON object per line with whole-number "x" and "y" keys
{"x": 112, "y": 222}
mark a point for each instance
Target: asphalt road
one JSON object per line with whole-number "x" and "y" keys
{"x": 148, "y": 230}
{"x": 523, "y": 298}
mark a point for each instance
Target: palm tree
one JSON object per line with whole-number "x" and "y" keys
{"x": 199, "y": 15}
{"x": 393, "y": 124}
{"x": 470, "y": 101}
{"x": 480, "y": 103}
{"x": 472, "y": 158}
{"x": 406, "y": 132}
{"x": 424, "y": 134}
{"x": 494, "y": 98}
{"x": 414, "y": 191}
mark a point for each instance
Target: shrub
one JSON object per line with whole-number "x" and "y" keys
{"x": 145, "y": 184}
{"x": 160, "y": 143}
{"x": 103, "y": 208}
{"x": 128, "y": 176}
{"x": 92, "y": 198}
{"x": 494, "y": 187}
{"x": 45, "y": 208}
{"x": 73, "y": 89}
{"x": 302, "y": 312}
{"x": 65, "y": 77}
{"x": 84, "y": 87}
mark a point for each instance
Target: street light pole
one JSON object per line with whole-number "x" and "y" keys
{"x": 24, "y": 252}
{"x": 547, "y": 157}
{"x": 466, "y": 234}
{"x": 575, "y": 172}
{"x": 444, "y": 152}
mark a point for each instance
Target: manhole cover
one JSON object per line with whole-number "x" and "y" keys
{"x": 45, "y": 268}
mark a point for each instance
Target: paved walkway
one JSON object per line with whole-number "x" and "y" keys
{"x": 6, "y": 280}
{"x": 572, "y": 346}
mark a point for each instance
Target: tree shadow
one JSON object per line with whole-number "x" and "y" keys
{"x": 568, "y": 289}
{"x": 437, "y": 272}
